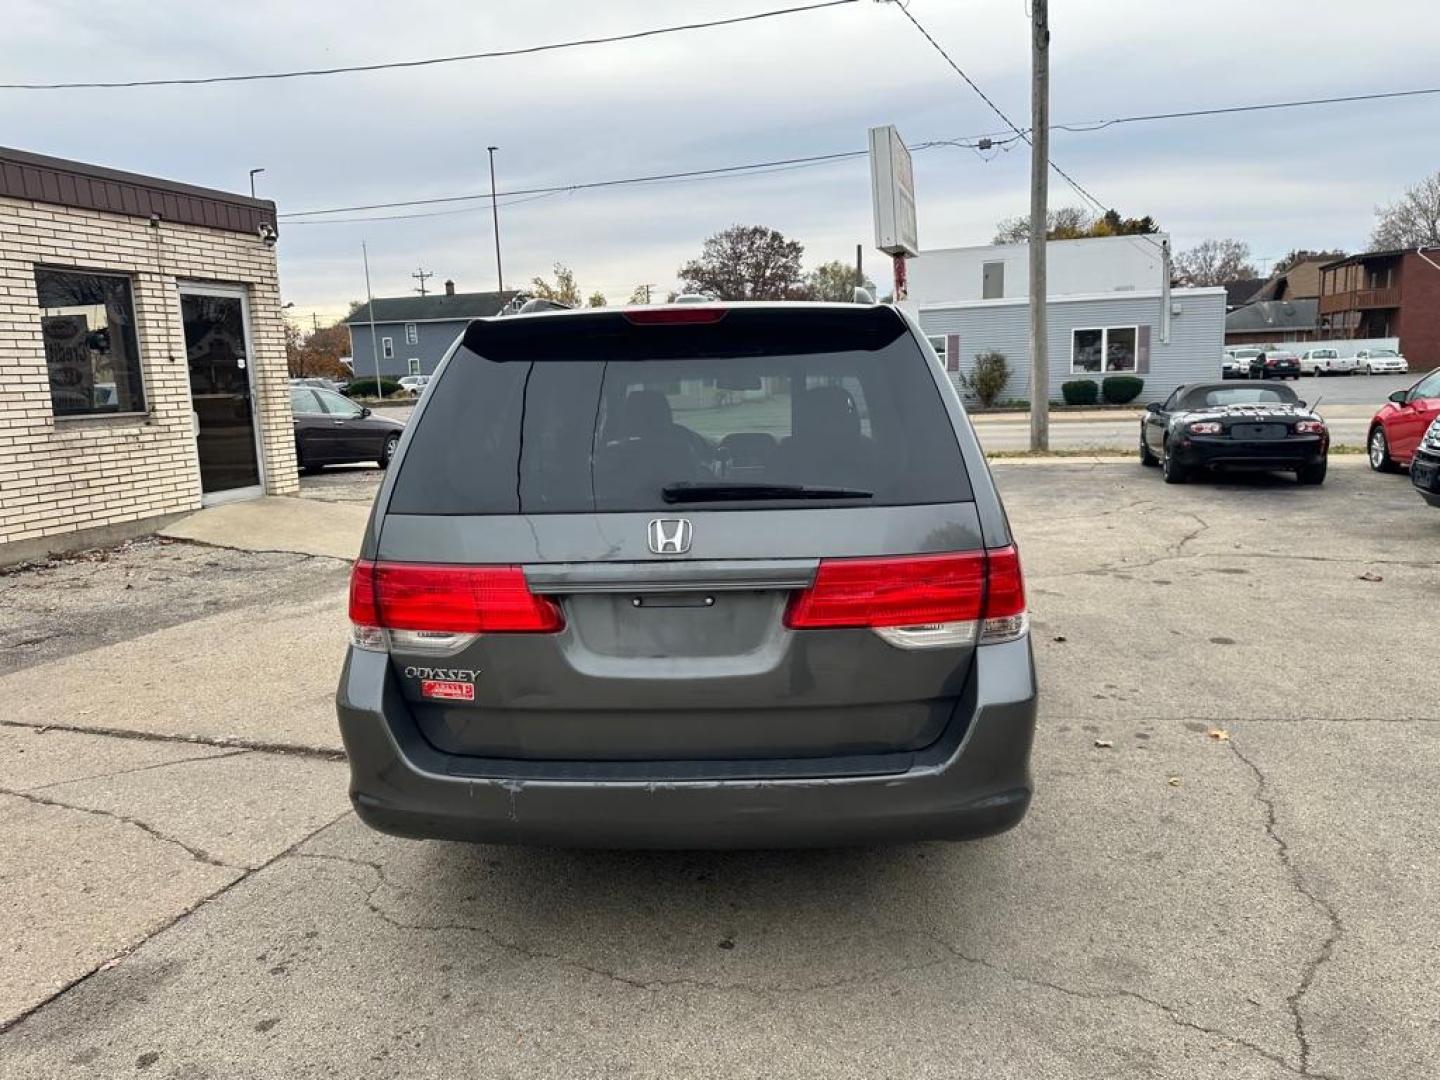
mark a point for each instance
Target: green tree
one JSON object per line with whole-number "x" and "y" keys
{"x": 835, "y": 281}
{"x": 746, "y": 262}
{"x": 640, "y": 295}
{"x": 595, "y": 299}
{"x": 562, "y": 291}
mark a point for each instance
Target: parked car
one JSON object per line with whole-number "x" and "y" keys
{"x": 1214, "y": 426}
{"x": 1327, "y": 362}
{"x": 691, "y": 575}
{"x": 1425, "y": 465}
{"x": 1236, "y": 364}
{"x": 414, "y": 385}
{"x": 331, "y": 429}
{"x": 321, "y": 382}
{"x": 1275, "y": 364}
{"x": 1399, "y": 425}
{"x": 1381, "y": 362}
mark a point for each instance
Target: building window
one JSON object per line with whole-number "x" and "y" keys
{"x": 412, "y": 335}
{"x": 992, "y": 281}
{"x": 1103, "y": 350}
{"x": 413, "y": 365}
{"x": 87, "y": 322}
{"x": 387, "y": 348}
{"x": 937, "y": 342}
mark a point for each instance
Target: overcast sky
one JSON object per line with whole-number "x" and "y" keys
{"x": 786, "y": 87}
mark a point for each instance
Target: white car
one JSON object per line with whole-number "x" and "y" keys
{"x": 1236, "y": 364}
{"x": 1327, "y": 362}
{"x": 414, "y": 385}
{"x": 1381, "y": 362}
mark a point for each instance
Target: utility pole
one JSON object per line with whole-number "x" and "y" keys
{"x": 421, "y": 275}
{"x": 1166, "y": 271}
{"x": 1039, "y": 181}
{"x": 495, "y": 216}
{"x": 315, "y": 321}
{"x": 370, "y": 303}
{"x": 647, "y": 287}
{"x": 859, "y": 266}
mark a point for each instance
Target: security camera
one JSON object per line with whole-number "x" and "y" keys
{"x": 268, "y": 235}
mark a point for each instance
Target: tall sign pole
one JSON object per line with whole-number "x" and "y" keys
{"x": 892, "y": 186}
{"x": 1039, "y": 182}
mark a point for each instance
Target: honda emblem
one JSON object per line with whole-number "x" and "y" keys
{"x": 670, "y": 536}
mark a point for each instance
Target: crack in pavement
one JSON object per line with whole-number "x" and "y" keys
{"x": 951, "y": 951}
{"x": 137, "y": 769}
{"x": 243, "y": 876}
{"x": 198, "y": 854}
{"x": 649, "y": 985}
{"x": 299, "y": 555}
{"x": 1295, "y": 1000}
{"x": 1174, "y": 554}
{"x": 221, "y": 742}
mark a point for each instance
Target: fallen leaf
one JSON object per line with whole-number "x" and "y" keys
{"x": 1104, "y": 744}
{"x": 1219, "y": 734}
{"x": 1174, "y": 781}
{"x": 1059, "y": 637}
{"x": 1370, "y": 575}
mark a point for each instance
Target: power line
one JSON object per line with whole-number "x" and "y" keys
{"x": 1080, "y": 127}
{"x": 431, "y": 61}
{"x": 1001, "y": 113}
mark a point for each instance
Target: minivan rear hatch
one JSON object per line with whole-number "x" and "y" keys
{"x": 661, "y": 490}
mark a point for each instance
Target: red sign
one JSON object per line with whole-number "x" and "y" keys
{"x": 446, "y": 690}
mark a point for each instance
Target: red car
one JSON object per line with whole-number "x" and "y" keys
{"x": 1400, "y": 424}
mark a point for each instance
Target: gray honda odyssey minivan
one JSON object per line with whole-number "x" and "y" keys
{"x": 689, "y": 576}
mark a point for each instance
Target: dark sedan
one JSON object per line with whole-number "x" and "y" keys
{"x": 331, "y": 429}
{"x": 1219, "y": 425}
{"x": 1425, "y": 465}
{"x": 1275, "y": 364}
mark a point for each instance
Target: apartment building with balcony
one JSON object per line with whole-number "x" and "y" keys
{"x": 1385, "y": 294}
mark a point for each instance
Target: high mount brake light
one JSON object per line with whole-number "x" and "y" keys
{"x": 434, "y": 607}
{"x": 918, "y": 601}
{"x": 674, "y": 316}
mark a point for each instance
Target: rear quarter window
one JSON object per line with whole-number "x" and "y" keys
{"x": 587, "y": 413}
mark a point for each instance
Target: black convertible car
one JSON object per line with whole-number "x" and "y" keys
{"x": 1220, "y": 425}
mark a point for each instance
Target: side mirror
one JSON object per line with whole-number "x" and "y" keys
{"x": 1153, "y": 407}
{"x": 364, "y": 411}
{"x": 1399, "y": 397}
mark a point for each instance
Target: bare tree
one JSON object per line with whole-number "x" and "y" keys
{"x": 1412, "y": 220}
{"x": 1074, "y": 223}
{"x": 563, "y": 291}
{"x": 1215, "y": 262}
{"x": 746, "y": 262}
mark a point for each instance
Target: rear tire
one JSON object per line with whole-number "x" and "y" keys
{"x": 1174, "y": 472}
{"x": 388, "y": 451}
{"x": 1378, "y": 451}
{"x": 1312, "y": 474}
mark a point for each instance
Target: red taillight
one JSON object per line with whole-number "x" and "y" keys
{"x": 911, "y": 591}
{"x": 1270, "y": 362}
{"x": 449, "y": 599}
{"x": 674, "y": 315}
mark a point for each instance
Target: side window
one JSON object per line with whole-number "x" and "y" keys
{"x": 303, "y": 401}
{"x": 1428, "y": 387}
{"x": 413, "y": 365}
{"x": 387, "y": 348}
{"x": 336, "y": 405}
{"x": 412, "y": 335}
{"x": 1173, "y": 400}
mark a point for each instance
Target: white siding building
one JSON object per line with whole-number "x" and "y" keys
{"x": 1105, "y": 313}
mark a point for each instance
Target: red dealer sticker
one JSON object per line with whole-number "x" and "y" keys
{"x": 446, "y": 690}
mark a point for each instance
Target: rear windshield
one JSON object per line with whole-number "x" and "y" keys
{"x": 1218, "y": 397}
{"x": 589, "y": 413}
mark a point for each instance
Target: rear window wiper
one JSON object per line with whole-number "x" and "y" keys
{"x": 726, "y": 491}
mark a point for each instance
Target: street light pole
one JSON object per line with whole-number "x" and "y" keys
{"x": 495, "y": 216}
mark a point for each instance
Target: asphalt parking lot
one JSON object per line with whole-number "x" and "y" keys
{"x": 1228, "y": 870}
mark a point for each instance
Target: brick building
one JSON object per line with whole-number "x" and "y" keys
{"x": 1385, "y": 294}
{"x": 142, "y": 353}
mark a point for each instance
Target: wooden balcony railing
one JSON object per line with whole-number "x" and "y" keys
{"x": 1359, "y": 299}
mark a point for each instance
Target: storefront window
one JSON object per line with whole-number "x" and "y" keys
{"x": 87, "y": 322}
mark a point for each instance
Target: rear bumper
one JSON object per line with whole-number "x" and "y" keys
{"x": 1295, "y": 452}
{"x": 973, "y": 784}
{"x": 1425, "y": 475}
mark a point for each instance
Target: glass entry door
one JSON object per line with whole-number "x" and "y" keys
{"x": 217, "y": 345}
